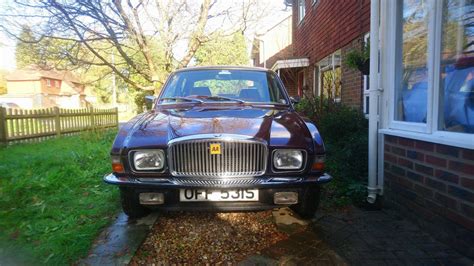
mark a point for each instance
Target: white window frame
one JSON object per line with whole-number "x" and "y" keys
{"x": 301, "y": 10}
{"x": 365, "y": 86}
{"x": 316, "y": 80}
{"x": 331, "y": 66}
{"x": 48, "y": 82}
{"x": 396, "y": 26}
{"x": 429, "y": 131}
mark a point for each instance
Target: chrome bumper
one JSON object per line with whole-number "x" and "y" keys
{"x": 261, "y": 182}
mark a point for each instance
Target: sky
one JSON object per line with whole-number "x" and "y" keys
{"x": 7, "y": 53}
{"x": 7, "y": 45}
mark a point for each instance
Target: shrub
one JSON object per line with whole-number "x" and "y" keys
{"x": 344, "y": 131}
{"x": 315, "y": 108}
{"x": 359, "y": 59}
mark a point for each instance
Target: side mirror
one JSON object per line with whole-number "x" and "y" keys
{"x": 150, "y": 99}
{"x": 295, "y": 99}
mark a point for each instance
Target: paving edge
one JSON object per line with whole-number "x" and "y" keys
{"x": 117, "y": 244}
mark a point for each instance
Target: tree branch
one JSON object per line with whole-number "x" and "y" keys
{"x": 197, "y": 34}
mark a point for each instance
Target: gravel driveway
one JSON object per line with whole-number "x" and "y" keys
{"x": 200, "y": 238}
{"x": 349, "y": 236}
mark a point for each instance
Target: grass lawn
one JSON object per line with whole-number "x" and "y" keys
{"x": 53, "y": 202}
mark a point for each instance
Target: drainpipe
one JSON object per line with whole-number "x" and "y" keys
{"x": 372, "y": 188}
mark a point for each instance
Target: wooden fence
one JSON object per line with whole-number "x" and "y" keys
{"x": 23, "y": 124}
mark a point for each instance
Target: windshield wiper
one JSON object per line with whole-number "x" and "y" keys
{"x": 183, "y": 99}
{"x": 222, "y": 98}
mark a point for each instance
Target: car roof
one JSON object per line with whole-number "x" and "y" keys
{"x": 197, "y": 68}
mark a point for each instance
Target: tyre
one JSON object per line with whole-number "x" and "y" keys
{"x": 308, "y": 203}
{"x": 131, "y": 204}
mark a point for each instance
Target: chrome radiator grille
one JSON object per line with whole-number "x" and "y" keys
{"x": 237, "y": 158}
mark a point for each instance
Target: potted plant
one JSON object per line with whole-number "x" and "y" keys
{"x": 359, "y": 59}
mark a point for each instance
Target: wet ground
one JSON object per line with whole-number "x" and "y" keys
{"x": 118, "y": 243}
{"x": 351, "y": 236}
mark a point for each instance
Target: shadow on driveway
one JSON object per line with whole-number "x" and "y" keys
{"x": 349, "y": 237}
{"x": 116, "y": 245}
{"x": 359, "y": 237}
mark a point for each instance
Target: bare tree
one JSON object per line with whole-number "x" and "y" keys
{"x": 151, "y": 38}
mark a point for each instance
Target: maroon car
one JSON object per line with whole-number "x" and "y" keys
{"x": 221, "y": 139}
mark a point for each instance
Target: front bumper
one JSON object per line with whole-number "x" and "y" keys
{"x": 177, "y": 183}
{"x": 170, "y": 188}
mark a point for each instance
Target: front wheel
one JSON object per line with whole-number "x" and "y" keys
{"x": 309, "y": 202}
{"x": 131, "y": 204}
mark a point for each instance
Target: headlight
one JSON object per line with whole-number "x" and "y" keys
{"x": 288, "y": 159}
{"x": 149, "y": 160}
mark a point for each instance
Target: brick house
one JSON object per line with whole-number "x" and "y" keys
{"x": 422, "y": 123}
{"x": 37, "y": 88}
{"x": 323, "y": 32}
{"x": 421, "y": 112}
{"x": 273, "y": 47}
{"x": 319, "y": 38}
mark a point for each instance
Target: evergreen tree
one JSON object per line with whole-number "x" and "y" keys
{"x": 27, "y": 52}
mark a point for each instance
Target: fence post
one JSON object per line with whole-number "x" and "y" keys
{"x": 3, "y": 125}
{"x": 91, "y": 110}
{"x": 57, "y": 121}
{"x": 116, "y": 117}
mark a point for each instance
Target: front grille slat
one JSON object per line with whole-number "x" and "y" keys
{"x": 238, "y": 158}
{"x": 232, "y": 152}
{"x": 240, "y": 162}
{"x": 249, "y": 156}
{"x": 256, "y": 156}
{"x": 252, "y": 159}
{"x": 181, "y": 154}
{"x": 203, "y": 155}
{"x": 202, "y": 148}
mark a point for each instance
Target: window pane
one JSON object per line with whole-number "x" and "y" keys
{"x": 456, "y": 112}
{"x": 330, "y": 76}
{"x": 225, "y": 85}
{"x": 301, "y": 9}
{"x": 331, "y": 83}
{"x": 366, "y": 109}
{"x": 412, "y": 91}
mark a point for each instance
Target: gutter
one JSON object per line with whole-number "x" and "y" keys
{"x": 373, "y": 188}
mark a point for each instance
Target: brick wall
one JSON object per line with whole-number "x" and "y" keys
{"x": 434, "y": 185}
{"x": 284, "y": 53}
{"x": 289, "y": 79}
{"x": 309, "y": 79}
{"x": 328, "y": 26}
{"x": 352, "y": 87}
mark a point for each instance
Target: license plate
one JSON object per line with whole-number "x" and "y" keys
{"x": 218, "y": 194}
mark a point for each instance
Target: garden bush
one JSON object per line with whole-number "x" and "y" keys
{"x": 344, "y": 131}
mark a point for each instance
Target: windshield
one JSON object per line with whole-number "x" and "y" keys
{"x": 224, "y": 85}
